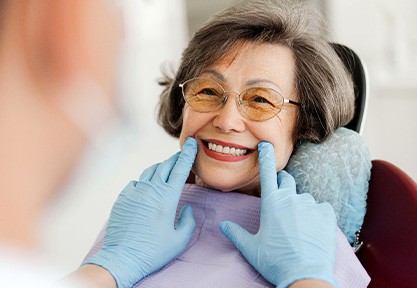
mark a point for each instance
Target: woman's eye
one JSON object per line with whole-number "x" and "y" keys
{"x": 209, "y": 91}
{"x": 259, "y": 99}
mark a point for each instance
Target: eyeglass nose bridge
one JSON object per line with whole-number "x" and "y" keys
{"x": 238, "y": 98}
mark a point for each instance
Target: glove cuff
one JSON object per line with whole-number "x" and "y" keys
{"x": 106, "y": 260}
{"x": 287, "y": 282}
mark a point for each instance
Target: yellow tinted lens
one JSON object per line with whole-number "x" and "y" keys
{"x": 261, "y": 103}
{"x": 203, "y": 94}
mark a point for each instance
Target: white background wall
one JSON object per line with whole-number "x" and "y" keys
{"x": 382, "y": 32}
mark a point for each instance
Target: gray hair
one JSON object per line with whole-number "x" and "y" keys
{"x": 323, "y": 85}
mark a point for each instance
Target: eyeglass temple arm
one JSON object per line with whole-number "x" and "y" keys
{"x": 291, "y": 102}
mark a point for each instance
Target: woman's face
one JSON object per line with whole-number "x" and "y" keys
{"x": 248, "y": 65}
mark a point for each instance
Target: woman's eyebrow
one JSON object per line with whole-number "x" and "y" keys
{"x": 215, "y": 74}
{"x": 260, "y": 80}
{"x": 252, "y": 82}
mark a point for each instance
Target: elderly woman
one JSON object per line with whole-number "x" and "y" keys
{"x": 256, "y": 80}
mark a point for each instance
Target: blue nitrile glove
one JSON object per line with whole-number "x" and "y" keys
{"x": 296, "y": 238}
{"x": 140, "y": 237}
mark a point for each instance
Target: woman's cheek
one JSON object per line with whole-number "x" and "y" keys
{"x": 282, "y": 157}
{"x": 185, "y": 126}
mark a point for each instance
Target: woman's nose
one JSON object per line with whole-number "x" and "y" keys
{"x": 229, "y": 118}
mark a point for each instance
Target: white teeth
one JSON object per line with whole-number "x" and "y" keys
{"x": 219, "y": 148}
{"x": 227, "y": 150}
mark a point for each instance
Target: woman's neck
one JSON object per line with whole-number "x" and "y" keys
{"x": 194, "y": 179}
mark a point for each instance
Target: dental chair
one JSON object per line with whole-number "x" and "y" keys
{"x": 360, "y": 79}
{"x": 388, "y": 237}
{"x": 389, "y": 231}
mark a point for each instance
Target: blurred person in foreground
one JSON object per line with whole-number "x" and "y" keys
{"x": 57, "y": 63}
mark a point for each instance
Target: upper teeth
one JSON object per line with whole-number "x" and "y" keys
{"x": 226, "y": 149}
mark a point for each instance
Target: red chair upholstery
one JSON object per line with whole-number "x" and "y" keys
{"x": 389, "y": 232}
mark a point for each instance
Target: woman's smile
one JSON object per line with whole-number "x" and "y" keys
{"x": 224, "y": 151}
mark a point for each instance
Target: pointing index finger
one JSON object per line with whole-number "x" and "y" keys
{"x": 267, "y": 168}
{"x": 182, "y": 168}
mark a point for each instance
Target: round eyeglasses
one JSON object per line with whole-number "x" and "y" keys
{"x": 257, "y": 103}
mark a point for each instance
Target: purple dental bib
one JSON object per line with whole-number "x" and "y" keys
{"x": 211, "y": 260}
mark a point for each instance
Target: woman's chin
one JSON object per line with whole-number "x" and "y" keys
{"x": 215, "y": 185}
{"x": 226, "y": 187}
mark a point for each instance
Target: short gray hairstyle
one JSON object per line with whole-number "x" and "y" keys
{"x": 323, "y": 85}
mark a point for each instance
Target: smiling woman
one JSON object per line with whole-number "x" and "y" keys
{"x": 259, "y": 71}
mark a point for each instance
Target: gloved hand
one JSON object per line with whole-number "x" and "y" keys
{"x": 296, "y": 238}
{"x": 140, "y": 237}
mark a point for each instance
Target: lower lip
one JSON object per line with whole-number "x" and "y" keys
{"x": 224, "y": 157}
